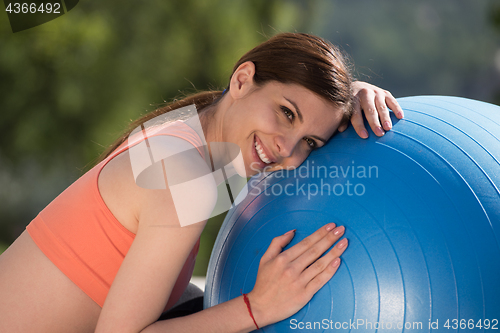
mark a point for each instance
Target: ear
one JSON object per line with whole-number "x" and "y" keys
{"x": 241, "y": 82}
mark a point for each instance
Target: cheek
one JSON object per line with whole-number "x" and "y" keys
{"x": 261, "y": 120}
{"x": 296, "y": 160}
{"x": 270, "y": 123}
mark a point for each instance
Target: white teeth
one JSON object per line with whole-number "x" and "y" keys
{"x": 261, "y": 154}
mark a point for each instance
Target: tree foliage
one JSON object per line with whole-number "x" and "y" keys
{"x": 69, "y": 87}
{"x": 445, "y": 47}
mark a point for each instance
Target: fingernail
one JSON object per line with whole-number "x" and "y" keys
{"x": 387, "y": 125}
{"x": 330, "y": 226}
{"x": 342, "y": 244}
{"x": 336, "y": 262}
{"x": 291, "y": 231}
{"x": 339, "y": 230}
{"x": 364, "y": 134}
{"x": 380, "y": 131}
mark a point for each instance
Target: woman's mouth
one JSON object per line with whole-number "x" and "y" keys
{"x": 260, "y": 152}
{"x": 261, "y": 155}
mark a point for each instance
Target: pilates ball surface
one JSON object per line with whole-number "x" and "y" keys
{"x": 421, "y": 207}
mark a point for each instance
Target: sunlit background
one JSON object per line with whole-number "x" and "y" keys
{"x": 70, "y": 87}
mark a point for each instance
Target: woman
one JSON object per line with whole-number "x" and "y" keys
{"x": 108, "y": 255}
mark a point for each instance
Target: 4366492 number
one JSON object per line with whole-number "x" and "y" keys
{"x": 463, "y": 324}
{"x": 48, "y": 8}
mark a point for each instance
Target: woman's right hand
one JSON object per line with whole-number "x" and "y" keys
{"x": 287, "y": 280}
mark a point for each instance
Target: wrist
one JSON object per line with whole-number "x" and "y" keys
{"x": 249, "y": 309}
{"x": 259, "y": 311}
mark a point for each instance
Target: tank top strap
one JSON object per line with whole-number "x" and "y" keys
{"x": 177, "y": 129}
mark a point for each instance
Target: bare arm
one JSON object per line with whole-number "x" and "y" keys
{"x": 151, "y": 267}
{"x": 231, "y": 316}
{"x": 286, "y": 281}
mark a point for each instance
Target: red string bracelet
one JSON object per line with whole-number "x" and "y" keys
{"x": 247, "y": 302}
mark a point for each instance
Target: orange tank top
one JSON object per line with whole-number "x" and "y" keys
{"x": 81, "y": 236}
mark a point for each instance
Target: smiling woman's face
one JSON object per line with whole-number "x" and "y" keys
{"x": 277, "y": 125}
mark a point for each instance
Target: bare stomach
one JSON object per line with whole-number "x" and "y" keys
{"x": 35, "y": 296}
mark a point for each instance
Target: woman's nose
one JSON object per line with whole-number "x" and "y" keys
{"x": 285, "y": 145}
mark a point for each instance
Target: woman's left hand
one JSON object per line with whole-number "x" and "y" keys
{"x": 374, "y": 102}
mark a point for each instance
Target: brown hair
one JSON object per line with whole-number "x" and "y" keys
{"x": 307, "y": 60}
{"x": 299, "y": 58}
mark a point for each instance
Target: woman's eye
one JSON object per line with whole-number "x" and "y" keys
{"x": 288, "y": 113}
{"x": 311, "y": 143}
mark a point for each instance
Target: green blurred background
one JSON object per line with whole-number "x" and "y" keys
{"x": 70, "y": 87}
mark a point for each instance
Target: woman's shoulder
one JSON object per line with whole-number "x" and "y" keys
{"x": 178, "y": 187}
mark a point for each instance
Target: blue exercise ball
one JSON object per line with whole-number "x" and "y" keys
{"x": 421, "y": 207}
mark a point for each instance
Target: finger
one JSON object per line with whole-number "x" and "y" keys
{"x": 393, "y": 104}
{"x": 357, "y": 120}
{"x": 277, "y": 245}
{"x": 298, "y": 249}
{"x": 343, "y": 127}
{"x": 311, "y": 255}
{"x": 321, "y": 279}
{"x": 322, "y": 263}
{"x": 367, "y": 101}
{"x": 383, "y": 112}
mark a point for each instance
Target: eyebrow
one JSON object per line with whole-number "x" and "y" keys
{"x": 299, "y": 114}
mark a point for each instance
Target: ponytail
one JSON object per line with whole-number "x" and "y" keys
{"x": 201, "y": 100}
{"x": 303, "y": 59}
